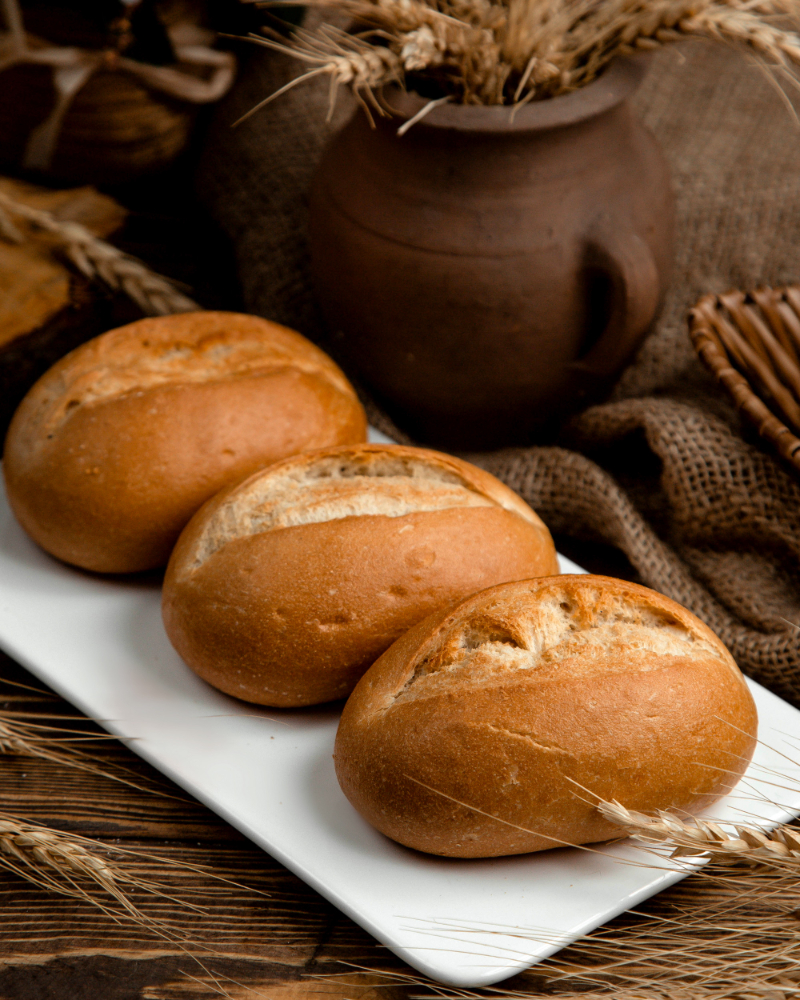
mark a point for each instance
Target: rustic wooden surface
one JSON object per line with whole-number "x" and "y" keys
{"x": 34, "y": 282}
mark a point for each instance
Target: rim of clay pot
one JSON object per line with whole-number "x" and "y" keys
{"x": 617, "y": 83}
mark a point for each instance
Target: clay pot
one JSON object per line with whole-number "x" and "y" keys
{"x": 486, "y": 275}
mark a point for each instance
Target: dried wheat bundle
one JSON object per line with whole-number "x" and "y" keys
{"x": 698, "y": 941}
{"x": 154, "y": 294}
{"x": 514, "y": 51}
{"x": 730, "y": 931}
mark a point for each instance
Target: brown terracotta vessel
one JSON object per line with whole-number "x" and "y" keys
{"x": 487, "y": 275}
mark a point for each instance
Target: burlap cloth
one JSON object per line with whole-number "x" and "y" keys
{"x": 664, "y": 470}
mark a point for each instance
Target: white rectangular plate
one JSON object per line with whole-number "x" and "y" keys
{"x": 269, "y": 773}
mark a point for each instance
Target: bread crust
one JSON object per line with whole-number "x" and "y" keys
{"x": 120, "y": 442}
{"x": 292, "y": 614}
{"x": 487, "y": 729}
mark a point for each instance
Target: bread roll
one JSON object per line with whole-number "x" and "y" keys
{"x": 526, "y": 700}
{"x": 285, "y": 588}
{"x": 120, "y": 442}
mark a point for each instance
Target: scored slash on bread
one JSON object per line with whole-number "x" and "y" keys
{"x": 120, "y": 442}
{"x": 283, "y": 589}
{"x": 355, "y": 482}
{"x": 510, "y": 703}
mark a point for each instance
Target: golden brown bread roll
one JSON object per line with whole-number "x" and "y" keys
{"x": 499, "y": 702}
{"x": 283, "y": 589}
{"x": 120, "y": 442}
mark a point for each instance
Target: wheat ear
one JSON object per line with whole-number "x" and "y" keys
{"x": 74, "y": 866}
{"x": 779, "y": 846}
{"x": 511, "y": 52}
{"x": 71, "y": 865}
{"x": 345, "y": 59}
{"x": 154, "y": 294}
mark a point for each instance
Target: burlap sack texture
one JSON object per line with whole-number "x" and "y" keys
{"x": 664, "y": 470}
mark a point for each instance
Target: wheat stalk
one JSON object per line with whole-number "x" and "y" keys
{"x": 85, "y": 869}
{"x": 345, "y": 59}
{"x": 71, "y": 865}
{"x": 154, "y": 294}
{"x": 730, "y": 936}
{"x": 779, "y": 847}
{"x": 729, "y": 931}
{"x": 74, "y": 866}
{"x": 54, "y": 744}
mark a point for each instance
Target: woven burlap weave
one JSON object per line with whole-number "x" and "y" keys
{"x": 662, "y": 470}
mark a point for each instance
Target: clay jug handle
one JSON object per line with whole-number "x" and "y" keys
{"x": 627, "y": 261}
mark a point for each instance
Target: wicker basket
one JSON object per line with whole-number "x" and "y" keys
{"x": 751, "y": 342}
